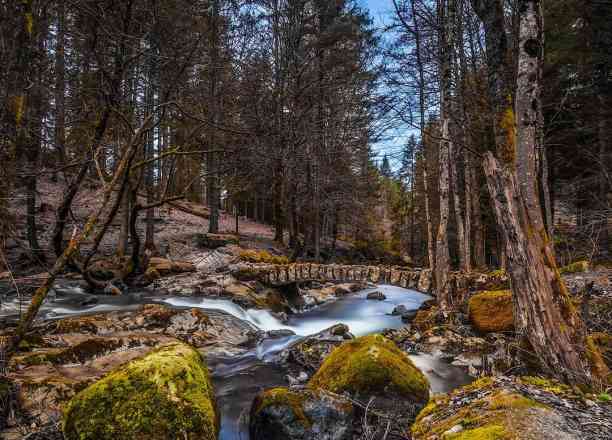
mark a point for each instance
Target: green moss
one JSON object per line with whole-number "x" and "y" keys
{"x": 503, "y": 400}
{"x": 283, "y": 397}
{"x": 371, "y": 365}
{"x": 166, "y": 394}
{"x": 491, "y": 416}
{"x": 497, "y": 273}
{"x": 599, "y": 368}
{"x": 488, "y": 432}
{"x": 604, "y": 397}
{"x": 263, "y": 256}
{"x": 575, "y": 267}
{"x": 492, "y": 311}
{"x": 479, "y": 384}
{"x": 550, "y": 385}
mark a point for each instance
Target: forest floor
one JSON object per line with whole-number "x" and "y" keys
{"x": 173, "y": 228}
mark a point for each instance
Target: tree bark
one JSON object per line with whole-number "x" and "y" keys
{"x": 479, "y": 232}
{"x": 544, "y": 312}
{"x": 442, "y": 267}
{"x": 212, "y": 179}
{"x": 60, "y": 85}
{"x": 428, "y": 220}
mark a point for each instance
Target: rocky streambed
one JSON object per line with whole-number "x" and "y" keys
{"x": 80, "y": 338}
{"x": 306, "y": 364}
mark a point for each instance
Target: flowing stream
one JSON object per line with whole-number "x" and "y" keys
{"x": 238, "y": 379}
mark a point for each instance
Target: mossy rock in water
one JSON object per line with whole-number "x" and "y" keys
{"x": 165, "y": 395}
{"x": 575, "y": 267}
{"x": 284, "y": 414}
{"x": 492, "y": 311}
{"x": 372, "y": 366}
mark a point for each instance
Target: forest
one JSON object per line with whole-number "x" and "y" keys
{"x": 306, "y": 219}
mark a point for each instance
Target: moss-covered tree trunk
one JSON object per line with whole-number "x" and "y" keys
{"x": 544, "y": 313}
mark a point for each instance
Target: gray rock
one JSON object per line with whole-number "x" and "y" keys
{"x": 399, "y": 310}
{"x": 376, "y": 295}
{"x": 409, "y": 315}
{"x": 301, "y": 415}
{"x": 281, "y": 333}
{"x": 308, "y": 353}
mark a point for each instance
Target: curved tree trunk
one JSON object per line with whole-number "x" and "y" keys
{"x": 544, "y": 313}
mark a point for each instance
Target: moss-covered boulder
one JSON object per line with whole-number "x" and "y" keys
{"x": 373, "y": 366}
{"x": 492, "y": 311}
{"x": 165, "y": 395}
{"x": 503, "y": 409}
{"x": 285, "y": 414}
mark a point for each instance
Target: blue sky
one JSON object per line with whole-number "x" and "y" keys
{"x": 394, "y": 139}
{"x": 378, "y": 8}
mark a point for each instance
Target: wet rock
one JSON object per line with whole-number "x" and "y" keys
{"x": 376, "y": 295}
{"x": 285, "y": 414}
{"x": 282, "y": 333}
{"x": 399, "y": 310}
{"x": 281, "y": 316}
{"x": 111, "y": 289}
{"x": 409, "y": 315}
{"x": 492, "y": 311}
{"x": 404, "y": 313}
{"x": 374, "y": 367}
{"x": 308, "y": 353}
{"x": 166, "y": 394}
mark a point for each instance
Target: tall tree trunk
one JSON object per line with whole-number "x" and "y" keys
{"x": 479, "y": 232}
{"x": 442, "y": 267}
{"x": 149, "y": 152}
{"x": 543, "y": 310}
{"x": 211, "y": 157}
{"x": 527, "y": 105}
{"x": 428, "y": 220}
{"x": 463, "y": 251}
{"x": 26, "y": 106}
{"x": 99, "y": 131}
{"x": 60, "y": 85}
{"x": 544, "y": 313}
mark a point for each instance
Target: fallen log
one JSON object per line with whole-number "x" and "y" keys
{"x": 204, "y": 213}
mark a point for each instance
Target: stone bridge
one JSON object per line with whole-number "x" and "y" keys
{"x": 283, "y": 274}
{"x": 460, "y": 283}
